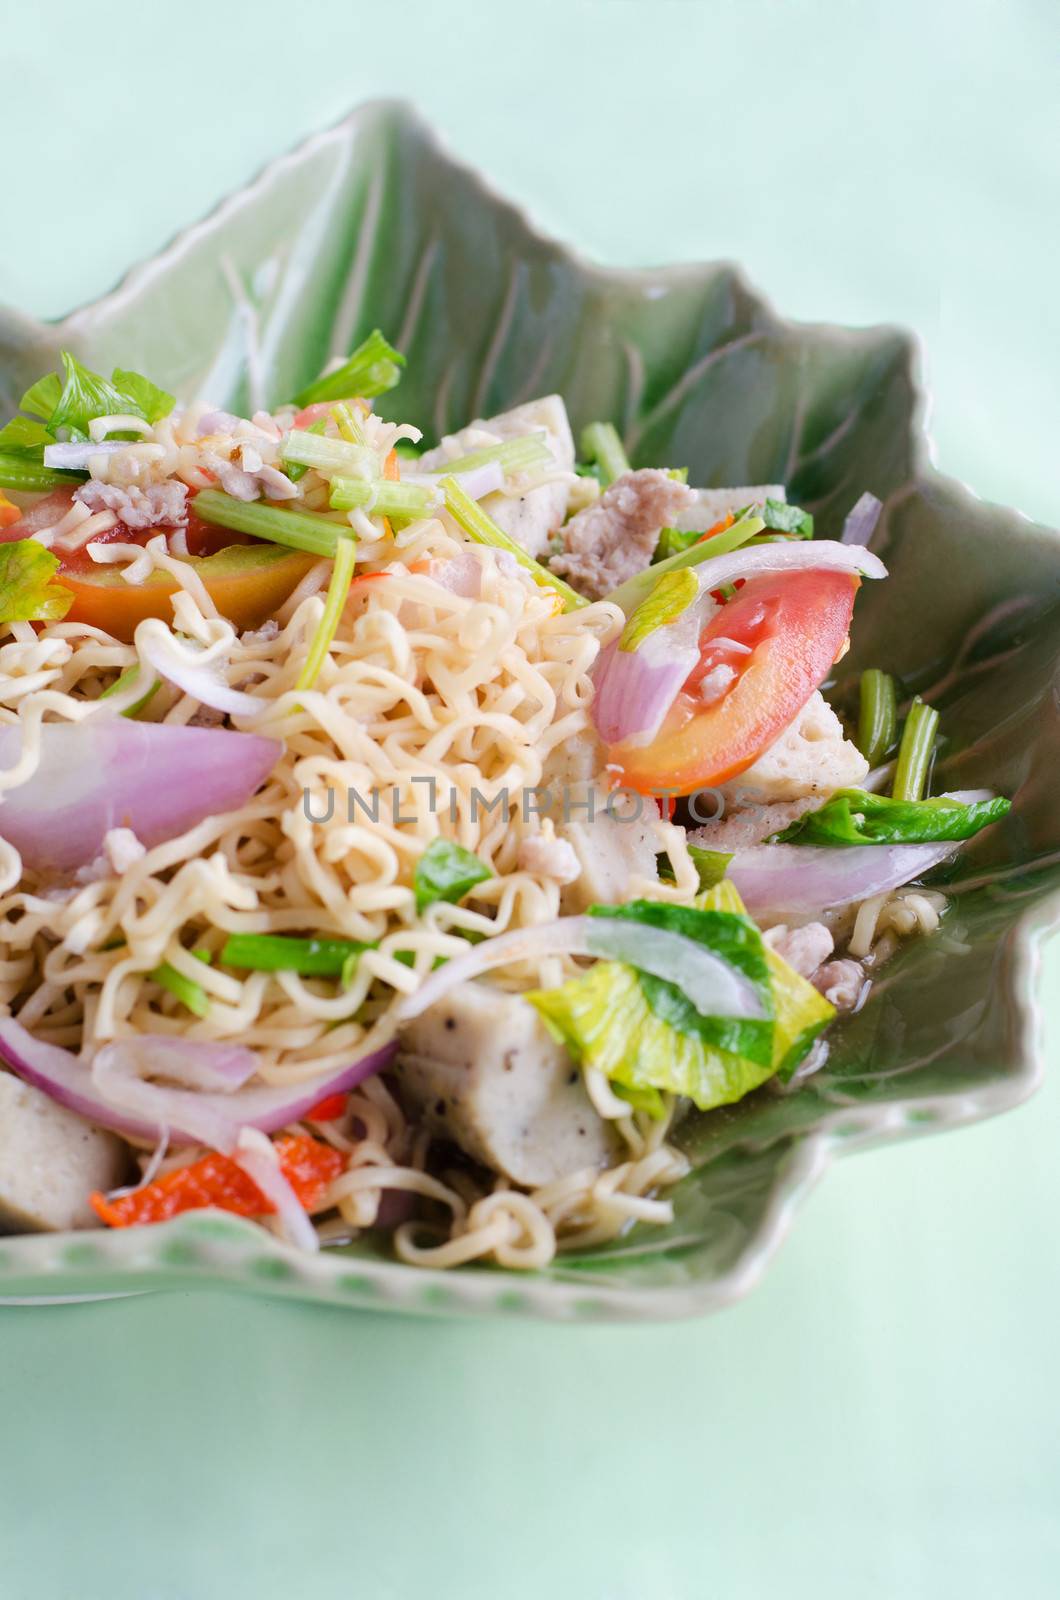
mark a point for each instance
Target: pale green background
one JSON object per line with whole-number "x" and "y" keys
{"x": 880, "y": 1419}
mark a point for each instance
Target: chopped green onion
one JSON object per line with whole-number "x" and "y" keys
{"x": 127, "y": 679}
{"x": 283, "y": 952}
{"x": 299, "y": 530}
{"x": 446, "y": 871}
{"x": 878, "y": 715}
{"x": 373, "y": 368}
{"x": 915, "y": 752}
{"x": 187, "y": 991}
{"x": 483, "y": 530}
{"x": 382, "y": 496}
{"x": 338, "y": 589}
{"x": 513, "y": 455}
{"x": 296, "y": 470}
{"x": 348, "y": 423}
{"x": 630, "y": 594}
{"x": 600, "y": 443}
{"x": 22, "y": 473}
{"x": 311, "y": 449}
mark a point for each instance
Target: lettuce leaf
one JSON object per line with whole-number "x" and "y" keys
{"x": 42, "y": 397}
{"x": 779, "y": 517}
{"x": 446, "y": 871}
{"x": 606, "y": 1020}
{"x": 27, "y": 593}
{"x": 853, "y": 816}
{"x": 726, "y": 934}
{"x": 670, "y": 599}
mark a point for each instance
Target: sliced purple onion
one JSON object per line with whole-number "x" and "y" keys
{"x": 778, "y": 879}
{"x": 714, "y": 987}
{"x": 112, "y": 1095}
{"x": 108, "y": 773}
{"x": 263, "y": 1170}
{"x": 636, "y": 688}
{"x": 191, "y": 1063}
{"x": 753, "y": 561}
{"x": 860, "y": 525}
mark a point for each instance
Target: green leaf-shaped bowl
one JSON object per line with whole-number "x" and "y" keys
{"x": 372, "y": 223}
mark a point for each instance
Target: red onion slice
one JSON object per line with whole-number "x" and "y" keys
{"x": 860, "y": 524}
{"x": 263, "y": 1170}
{"x": 714, "y": 987}
{"x": 636, "y": 688}
{"x": 115, "y": 773}
{"x": 192, "y": 1063}
{"x": 778, "y": 879}
{"x": 112, "y": 1095}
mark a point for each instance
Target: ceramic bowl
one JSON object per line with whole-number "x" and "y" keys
{"x": 374, "y": 224}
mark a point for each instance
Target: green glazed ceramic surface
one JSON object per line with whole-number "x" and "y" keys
{"x": 372, "y": 224}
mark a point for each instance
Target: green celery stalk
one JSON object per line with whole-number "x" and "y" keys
{"x": 27, "y": 476}
{"x": 914, "y": 753}
{"x": 312, "y": 531}
{"x": 127, "y": 678}
{"x": 601, "y": 443}
{"x": 483, "y": 530}
{"x": 296, "y": 470}
{"x": 283, "y": 952}
{"x": 327, "y": 455}
{"x": 187, "y": 991}
{"x": 878, "y": 715}
{"x": 338, "y": 589}
{"x": 348, "y": 423}
{"x": 635, "y": 590}
{"x": 382, "y": 496}
{"x": 372, "y": 369}
{"x": 514, "y": 455}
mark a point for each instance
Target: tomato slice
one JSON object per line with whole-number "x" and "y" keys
{"x": 247, "y": 580}
{"x": 794, "y": 624}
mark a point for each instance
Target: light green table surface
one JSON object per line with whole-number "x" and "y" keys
{"x": 880, "y": 1419}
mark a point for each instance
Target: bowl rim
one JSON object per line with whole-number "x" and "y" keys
{"x": 213, "y": 1249}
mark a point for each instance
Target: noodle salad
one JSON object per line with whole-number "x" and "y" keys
{"x": 410, "y": 839}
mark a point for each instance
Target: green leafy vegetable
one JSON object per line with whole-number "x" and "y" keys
{"x": 483, "y": 530}
{"x": 878, "y": 715}
{"x": 779, "y": 517}
{"x": 711, "y": 865}
{"x": 86, "y": 395}
{"x": 372, "y": 369}
{"x": 606, "y": 1020}
{"x": 734, "y": 939}
{"x": 24, "y": 436}
{"x": 27, "y": 592}
{"x": 42, "y": 397}
{"x": 446, "y": 871}
{"x": 283, "y": 952}
{"x": 68, "y": 406}
{"x": 853, "y": 816}
{"x": 601, "y": 443}
{"x": 672, "y": 541}
{"x": 670, "y": 599}
{"x": 149, "y": 401}
{"x": 915, "y": 751}
{"x": 635, "y": 590}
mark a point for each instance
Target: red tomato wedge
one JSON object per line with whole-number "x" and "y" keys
{"x": 795, "y": 624}
{"x": 248, "y": 581}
